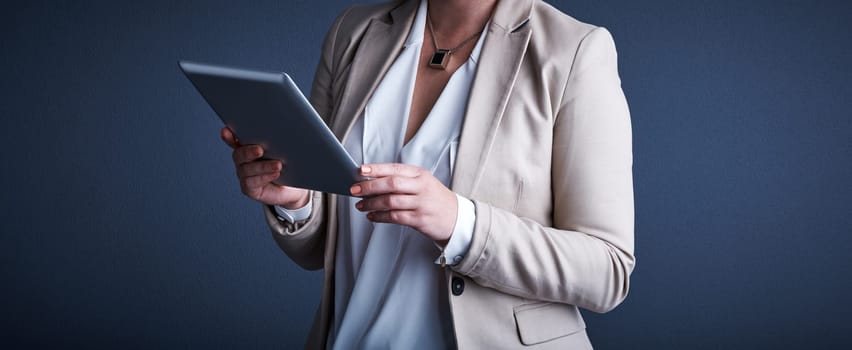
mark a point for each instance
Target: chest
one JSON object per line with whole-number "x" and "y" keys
{"x": 430, "y": 82}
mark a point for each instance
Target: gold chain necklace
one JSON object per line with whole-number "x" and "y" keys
{"x": 442, "y": 56}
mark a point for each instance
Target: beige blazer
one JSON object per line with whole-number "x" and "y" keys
{"x": 545, "y": 154}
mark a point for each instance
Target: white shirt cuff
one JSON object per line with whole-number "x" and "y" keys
{"x": 296, "y": 215}
{"x": 459, "y": 242}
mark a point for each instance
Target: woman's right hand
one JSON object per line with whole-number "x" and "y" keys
{"x": 256, "y": 175}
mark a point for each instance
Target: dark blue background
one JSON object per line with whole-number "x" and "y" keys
{"x": 123, "y": 225}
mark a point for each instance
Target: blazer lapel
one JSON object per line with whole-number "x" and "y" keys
{"x": 381, "y": 43}
{"x": 379, "y": 47}
{"x": 502, "y": 53}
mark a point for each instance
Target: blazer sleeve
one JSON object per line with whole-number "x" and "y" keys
{"x": 305, "y": 243}
{"x": 586, "y": 258}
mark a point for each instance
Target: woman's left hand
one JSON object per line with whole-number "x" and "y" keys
{"x": 407, "y": 195}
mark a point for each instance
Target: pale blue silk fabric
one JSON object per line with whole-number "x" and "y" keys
{"x": 389, "y": 293}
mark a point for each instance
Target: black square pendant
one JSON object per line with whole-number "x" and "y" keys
{"x": 440, "y": 59}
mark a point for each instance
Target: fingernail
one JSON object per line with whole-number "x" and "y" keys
{"x": 355, "y": 189}
{"x": 365, "y": 169}
{"x": 359, "y": 205}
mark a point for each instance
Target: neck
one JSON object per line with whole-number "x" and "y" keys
{"x": 457, "y": 18}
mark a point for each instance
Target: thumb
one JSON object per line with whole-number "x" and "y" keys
{"x": 229, "y": 137}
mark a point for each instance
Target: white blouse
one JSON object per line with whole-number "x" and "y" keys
{"x": 389, "y": 292}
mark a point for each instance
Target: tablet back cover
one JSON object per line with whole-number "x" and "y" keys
{"x": 268, "y": 109}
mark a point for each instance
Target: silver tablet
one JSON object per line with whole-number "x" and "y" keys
{"x": 268, "y": 109}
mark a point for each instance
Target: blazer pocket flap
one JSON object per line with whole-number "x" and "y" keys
{"x": 538, "y": 323}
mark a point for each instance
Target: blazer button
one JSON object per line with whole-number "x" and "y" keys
{"x": 457, "y": 285}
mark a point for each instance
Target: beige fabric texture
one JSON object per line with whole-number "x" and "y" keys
{"x": 545, "y": 154}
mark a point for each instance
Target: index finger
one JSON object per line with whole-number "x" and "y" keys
{"x": 229, "y": 137}
{"x": 389, "y": 169}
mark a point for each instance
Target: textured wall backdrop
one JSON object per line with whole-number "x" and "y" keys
{"x": 122, "y": 224}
